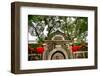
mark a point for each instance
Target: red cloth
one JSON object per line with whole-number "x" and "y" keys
{"x": 75, "y": 48}
{"x": 40, "y": 50}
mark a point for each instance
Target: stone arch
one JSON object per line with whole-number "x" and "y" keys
{"x": 61, "y": 51}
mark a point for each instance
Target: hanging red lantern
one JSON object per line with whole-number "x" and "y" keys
{"x": 75, "y": 48}
{"x": 40, "y": 50}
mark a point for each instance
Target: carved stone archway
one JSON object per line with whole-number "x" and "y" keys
{"x": 58, "y": 53}
{"x": 56, "y": 47}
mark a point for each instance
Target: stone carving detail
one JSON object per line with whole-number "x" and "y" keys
{"x": 58, "y": 37}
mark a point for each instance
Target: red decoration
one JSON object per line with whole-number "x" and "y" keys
{"x": 75, "y": 48}
{"x": 40, "y": 50}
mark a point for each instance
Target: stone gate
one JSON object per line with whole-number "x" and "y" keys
{"x": 56, "y": 47}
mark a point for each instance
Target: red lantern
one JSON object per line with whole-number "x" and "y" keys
{"x": 40, "y": 50}
{"x": 75, "y": 48}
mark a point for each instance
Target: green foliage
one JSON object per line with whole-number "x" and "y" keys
{"x": 73, "y": 27}
{"x": 35, "y": 18}
{"x": 78, "y": 43}
{"x": 34, "y": 45}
